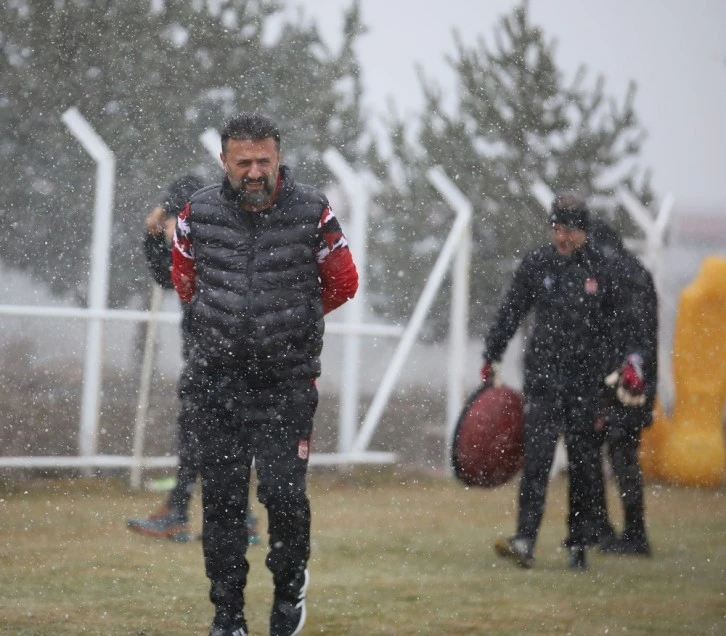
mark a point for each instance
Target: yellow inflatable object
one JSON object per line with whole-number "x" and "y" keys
{"x": 689, "y": 448}
{"x": 651, "y": 441}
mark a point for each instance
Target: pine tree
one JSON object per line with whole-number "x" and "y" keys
{"x": 515, "y": 121}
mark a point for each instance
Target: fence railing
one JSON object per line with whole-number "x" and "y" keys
{"x": 352, "y": 443}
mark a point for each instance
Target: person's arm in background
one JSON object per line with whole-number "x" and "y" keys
{"x": 643, "y": 303}
{"x": 338, "y": 274}
{"x": 184, "y": 266}
{"x": 630, "y": 331}
{"x": 157, "y": 243}
{"x": 517, "y": 302}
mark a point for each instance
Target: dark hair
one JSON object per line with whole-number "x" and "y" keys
{"x": 179, "y": 192}
{"x": 252, "y": 126}
{"x": 570, "y": 209}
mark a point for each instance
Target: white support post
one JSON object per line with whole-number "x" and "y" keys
{"x": 98, "y": 280}
{"x": 359, "y": 201}
{"x": 459, "y": 310}
{"x": 210, "y": 139}
{"x": 654, "y": 229}
{"x": 462, "y": 222}
{"x": 543, "y": 193}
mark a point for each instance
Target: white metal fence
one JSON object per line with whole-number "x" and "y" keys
{"x": 352, "y": 442}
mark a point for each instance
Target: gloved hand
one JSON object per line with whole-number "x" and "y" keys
{"x": 490, "y": 373}
{"x": 628, "y": 381}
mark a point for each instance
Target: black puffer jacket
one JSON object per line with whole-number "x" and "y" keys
{"x": 257, "y": 307}
{"x": 578, "y": 304}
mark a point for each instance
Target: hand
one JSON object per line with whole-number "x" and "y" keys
{"x": 169, "y": 228}
{"x": 155, "y": 221}
{"x": 628, "y": 381}
{"x": 490, "y": 373}
{"x": 631, "y": 375}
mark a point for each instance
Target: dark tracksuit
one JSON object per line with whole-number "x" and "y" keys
{"x": 575, "y": 301}
{"x": 624, "y": 424}
{"x": 158, "y": 257}
{"x": 241, "y": 418}
{"x": 257, "y": 323}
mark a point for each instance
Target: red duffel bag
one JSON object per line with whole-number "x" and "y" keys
{"x": 488, "y": 449}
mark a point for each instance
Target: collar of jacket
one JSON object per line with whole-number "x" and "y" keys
{"x": 582, "y": 255}
{"x": 285, "y": 185}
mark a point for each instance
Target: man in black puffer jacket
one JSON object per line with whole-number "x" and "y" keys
{"x": 260, "y": 259}
{"x": 622, "y": 425}
{"x": 578, "y": 303}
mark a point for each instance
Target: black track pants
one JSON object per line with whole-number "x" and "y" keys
{"x": 622, "y": 436}
{"x": 274, "y": 429}
{"x": 187, "y": 442}
{"x": 188, "y": 468}
{"x": 544, "y": 419}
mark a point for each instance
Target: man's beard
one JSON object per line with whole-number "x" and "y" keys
{"x": 254, "y": 199}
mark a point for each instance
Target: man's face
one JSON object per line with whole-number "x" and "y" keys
{"x": 567, "y": 239}
{"x": 252, "y": 167}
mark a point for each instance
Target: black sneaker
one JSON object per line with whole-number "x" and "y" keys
{"x": 226, "y": 624}
{"x": 288, "y": 616}
{"x": 578, "y": 558}
{"x": 517, "y": 549}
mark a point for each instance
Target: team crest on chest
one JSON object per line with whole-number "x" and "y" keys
{"x": 303, "y": 449}
{"x": 591, "y": 285}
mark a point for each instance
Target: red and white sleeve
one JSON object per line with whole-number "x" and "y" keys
{"x": 184, "y": 265}
{"x": 338, "y": 274}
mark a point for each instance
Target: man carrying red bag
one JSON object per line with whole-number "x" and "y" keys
{"x": 578, "y": 305}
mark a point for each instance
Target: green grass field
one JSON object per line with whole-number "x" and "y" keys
{"x": 393, "y": 553}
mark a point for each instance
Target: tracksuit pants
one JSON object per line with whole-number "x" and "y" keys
{"x": 187, "y": 441}
{"x": 622, "y": 436}
{"x": 271, "y": 425}
{"x": 188, "y": 468}
{"x": 545, "y": 418}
